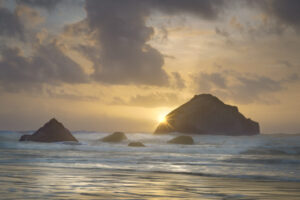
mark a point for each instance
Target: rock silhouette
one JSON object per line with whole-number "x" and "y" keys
{"x": 136, "y": 144}
{"x": 115, "y": 137}
{"x": 206, "y": 114}
{"x": 25, "y": 138}
{"x": 182, "y": 140}
{"x": 52, "y": 131}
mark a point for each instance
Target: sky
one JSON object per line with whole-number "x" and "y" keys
{"x": 120, "y": 65}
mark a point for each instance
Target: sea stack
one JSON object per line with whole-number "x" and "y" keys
{"x": 206, "y": 114}
{"x": 52, "y": 131}
{"x": 115, "y": 137}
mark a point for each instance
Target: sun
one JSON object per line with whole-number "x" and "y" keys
{"x": 162, "y": 115}
{"x": 162, "y": 118}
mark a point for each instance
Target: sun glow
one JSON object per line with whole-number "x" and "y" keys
{"x": 162, "y": 118}
{"x": 161, "y": 115}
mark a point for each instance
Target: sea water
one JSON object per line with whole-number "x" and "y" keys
{"x": 215, "y": 167}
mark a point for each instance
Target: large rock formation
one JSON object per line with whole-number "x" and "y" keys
{"x": 115, "y": 137}
{"x": 52, "y": 131}
{"x": 206, "y": 114}
{"x": 182, "y": 140}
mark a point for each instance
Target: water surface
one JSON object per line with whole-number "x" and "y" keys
{"x": 216, "y": 167}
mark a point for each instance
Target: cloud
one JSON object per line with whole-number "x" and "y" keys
{"x": 222, "y": 32}
{"x": 250, "y": 89}
{"x": 178, "y": 81}
{"x": 117, "y": 45}
{"x": 77, "y": 29}
{"x": 269, "y": 18}
{"x": 10, "y": 24}
{"x": 46, "y": 4}
{"x": 29, "y": 17}
{"x": 206, "y": 9}
{"x": 126, "y": 57}
{"x": 48, "y": 65}
{"x": 284, "y": 12}
{"x": 242, "y": 88}
{"x": 207, "y": 81}
{"x": 151, "y": 100}
{"x": 64, "y": 94}
{"x": 284, "y": 63}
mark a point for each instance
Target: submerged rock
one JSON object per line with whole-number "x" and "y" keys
{"x": 115, "y": 137}
{"x": 52, "y": 131}
{"x": 182, "y": 140}
{"x": 206, "y": 114}
{"x": 136, "y": 144}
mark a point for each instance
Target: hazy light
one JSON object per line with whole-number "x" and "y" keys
{"x": 162, "y": 118}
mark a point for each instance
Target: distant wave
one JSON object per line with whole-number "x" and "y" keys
{"x": 200, "y": 174}
{"x": 263, "y": 161}
{"x": 273, "y": 151}
{"x": 254, "y": 177}
{"x": 282, "y": 134}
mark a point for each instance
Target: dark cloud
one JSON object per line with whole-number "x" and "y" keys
{"x": 287, "y": 11}
{"x": 126, "y": 58}
{"x": 10, "y": 24}
{"x": 47, "y": 4}
{"x": 275, "y": 18}
{"x": 178, "y": 81}
{"x": 89, "y": 52}
{"x": 48, "y": 65}
{"x": 242, "y": 88}
{"x": 206, "y": 9}
{"x": 283, "y": 11}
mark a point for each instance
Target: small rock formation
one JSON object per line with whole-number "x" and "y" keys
{"x": 52, "y": 131}
{"x": 25, "y": 138}
{"x": 206, "y": 114}
{"x": 136, "y": 144}
{"x": 115, "y": 137}
{"x": 182, "y": 140}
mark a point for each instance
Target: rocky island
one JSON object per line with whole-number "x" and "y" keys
{"x": 206, "y": 114}
{"x": 52, "y": 131}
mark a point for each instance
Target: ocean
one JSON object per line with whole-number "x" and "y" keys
{"x": 216, "y": 167}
